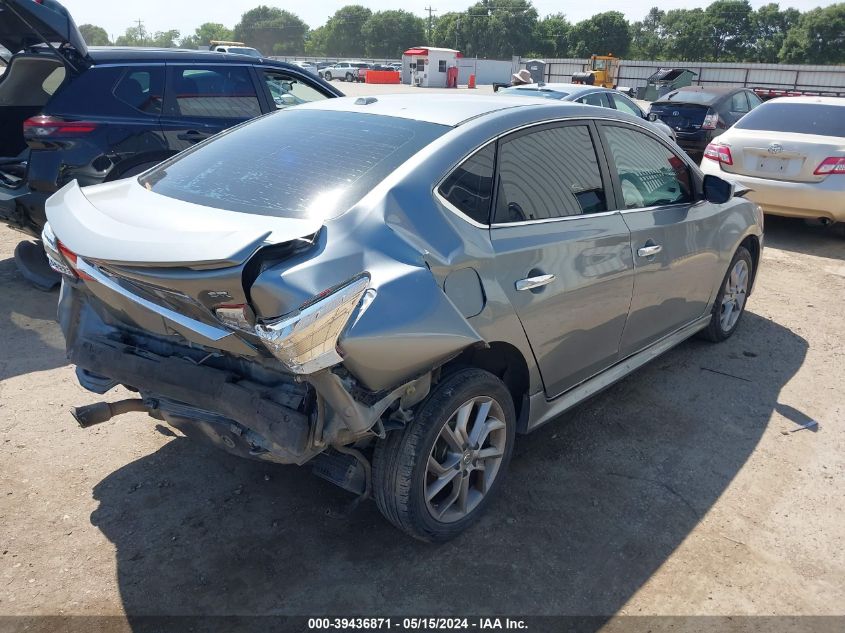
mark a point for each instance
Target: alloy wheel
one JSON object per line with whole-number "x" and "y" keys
{"x": 734, "y": 295}
{"x": 465, "y": 459}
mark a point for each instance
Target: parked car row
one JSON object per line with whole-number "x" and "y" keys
{"x": 353, "y": 70}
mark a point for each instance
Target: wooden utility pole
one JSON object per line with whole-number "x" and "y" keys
{"x": 431, "y": 13}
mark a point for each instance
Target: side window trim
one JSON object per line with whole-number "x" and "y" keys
{"x": 695, "y": 178}
{"x": 598, "y": 144}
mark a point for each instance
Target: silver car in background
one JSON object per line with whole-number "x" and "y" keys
{"x": 790, "y": 152}
{"x": 588, "y": 95}
{"x": 389, "y": 289}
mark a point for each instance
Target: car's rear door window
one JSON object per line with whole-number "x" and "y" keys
{"x": 549, "y": 173}
{"x": 595, "y": 99}
{"x": 739, "y": 103}
{"x": 142, "y": 89}
{"x": 650, "y": 174}
{"x": 222, "y": 92}
{"x": 470, "y": 187}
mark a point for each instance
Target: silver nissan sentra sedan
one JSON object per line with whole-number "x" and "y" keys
{"x": 389, "y": 289}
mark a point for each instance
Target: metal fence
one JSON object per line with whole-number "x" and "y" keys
{"x": 788, "y": 77}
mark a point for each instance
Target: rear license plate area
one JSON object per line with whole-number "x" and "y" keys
{"x": 772, "y": 165}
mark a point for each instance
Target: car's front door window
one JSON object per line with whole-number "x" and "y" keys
{"x": 289, "y": 91}
{"x": 650, "y": 174}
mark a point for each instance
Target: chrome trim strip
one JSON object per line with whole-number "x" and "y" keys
{"x": 550, "y": 409}
{"x": 580, "y": 216}
{"x": 203, "y": 329}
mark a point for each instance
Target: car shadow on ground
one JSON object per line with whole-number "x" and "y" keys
{"x": 796, "y": 236}
{"x": 595, "y": 502}
{"x": 31, "y": 338}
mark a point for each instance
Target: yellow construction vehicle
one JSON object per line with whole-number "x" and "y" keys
{"x": 603, "y": 72}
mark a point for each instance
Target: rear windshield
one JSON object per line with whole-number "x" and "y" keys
{"x": 699, "y": 97}
{"x": 803, "y": 118}
{"x": 294, "y": 163}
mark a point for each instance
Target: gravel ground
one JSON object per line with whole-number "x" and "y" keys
{"x": 681, "y": 490}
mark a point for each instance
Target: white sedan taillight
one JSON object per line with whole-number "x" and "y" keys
{"x": 306, "y": 341}
{"x": 831, "y": 165}
{"x": 720, "y": 153}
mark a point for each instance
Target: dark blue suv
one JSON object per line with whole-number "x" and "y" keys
{"x": 69, "y": 111}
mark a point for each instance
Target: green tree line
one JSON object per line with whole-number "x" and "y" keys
{"x": 725, "y": 31}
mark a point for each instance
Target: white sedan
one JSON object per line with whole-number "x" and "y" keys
{"x": 790, "y": 152}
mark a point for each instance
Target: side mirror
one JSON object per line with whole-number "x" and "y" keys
{"x": 717, "y": 190}
{"x": 651, "y": 116}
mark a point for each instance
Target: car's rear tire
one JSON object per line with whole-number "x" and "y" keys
{"x": 434, "y": 478}
{"x": 349, "y": 77}
{"x": 730, "y": 302}
{"x": 327, "y": 76}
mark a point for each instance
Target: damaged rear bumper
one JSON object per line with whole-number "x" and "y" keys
{"x": 170, "y": 386}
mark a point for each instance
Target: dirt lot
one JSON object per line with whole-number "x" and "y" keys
{"x": 681, "y": 490}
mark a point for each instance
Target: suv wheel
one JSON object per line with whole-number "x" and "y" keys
{"x": 327, "y": 76}
{"x": 730, "y": 302}
{"x": 433, "y": 478}
{"x": 349, "y": 77}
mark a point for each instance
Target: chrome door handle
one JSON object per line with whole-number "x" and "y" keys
{"x": 649, "y": 251}
{"x": 529, "y": 283}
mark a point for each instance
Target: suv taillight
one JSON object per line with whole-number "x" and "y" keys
{"x": 48, "y": 127}
{"x": 711, "y": 121}
{"x": 831, "y": 165}
{"x": 719, "y": 153}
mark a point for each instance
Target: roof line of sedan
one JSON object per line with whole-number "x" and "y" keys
{"x": 441, "y": 109}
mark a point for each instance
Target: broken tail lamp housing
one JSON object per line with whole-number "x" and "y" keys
{"x": 306, "y": 341}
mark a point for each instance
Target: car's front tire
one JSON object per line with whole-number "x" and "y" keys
{"x": 730, "y": 302}
{"x": 327, "y": 76}
{"x": 349, "y": 77}
{"x": 433, "y": 478}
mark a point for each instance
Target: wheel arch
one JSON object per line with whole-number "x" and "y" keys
{"x": 505, "y": 361}
{"x": 752, "y": 244}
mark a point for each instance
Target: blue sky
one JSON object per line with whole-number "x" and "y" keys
{"x": 185, "y": 15}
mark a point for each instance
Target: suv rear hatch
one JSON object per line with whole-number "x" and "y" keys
{"x": 46, "y": 45}
{"x": 25, "y": 23}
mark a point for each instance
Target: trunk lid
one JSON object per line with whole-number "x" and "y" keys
{"x": 169, "y": 266}
{"x": 125, "y": 224}
{"x": 25, "y": 23}
{"x": 779, "y": 155}
{"x": 683, "y": 117}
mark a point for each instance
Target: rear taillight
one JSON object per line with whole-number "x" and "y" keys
{"x": 48, "y": 127}
{"x": 831, "y": 165}
{"x": 71, "y": 258}
{"x": 711, "y": 121}
{"x": 719, "y": 153}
